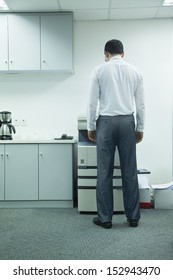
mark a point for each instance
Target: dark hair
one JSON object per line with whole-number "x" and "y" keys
{"x": 114, "y": 47}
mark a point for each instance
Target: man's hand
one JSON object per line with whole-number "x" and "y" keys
{"x": 92, "y": 135}
{"x": 139, "y": 136}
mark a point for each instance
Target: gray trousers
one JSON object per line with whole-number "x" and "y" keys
{"x": 112, "y": 132}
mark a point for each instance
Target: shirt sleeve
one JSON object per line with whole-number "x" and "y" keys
{"x": 140, "y": 105}
{"x": 94, "y": 92}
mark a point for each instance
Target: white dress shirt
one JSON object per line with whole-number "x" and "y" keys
{"x": 117, "y": 87}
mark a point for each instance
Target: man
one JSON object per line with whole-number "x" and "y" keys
{"x": 118, "y": 89}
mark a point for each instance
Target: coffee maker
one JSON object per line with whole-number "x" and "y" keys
{"x": 6, "y": 127}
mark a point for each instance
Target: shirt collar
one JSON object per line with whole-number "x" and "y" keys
{"x": 116, "y": 56}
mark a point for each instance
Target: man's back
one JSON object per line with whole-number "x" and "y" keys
{"x": 118, "y": 82}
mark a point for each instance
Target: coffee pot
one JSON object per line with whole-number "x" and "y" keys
{"x": 6, "y": 127}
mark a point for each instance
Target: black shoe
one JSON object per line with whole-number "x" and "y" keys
{"x": 97, "y": 222}
{"x": 133, "y": 223}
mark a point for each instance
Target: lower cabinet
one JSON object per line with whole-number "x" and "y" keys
{"x": 2, "y": 172}
{"x": 36, "y": 172}
{"x": 55, "y": 172}
{"x": 21, "y": 172}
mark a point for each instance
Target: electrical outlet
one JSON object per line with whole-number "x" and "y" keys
{"x": 16, "y": 122}
{"x": 23, "y": 122}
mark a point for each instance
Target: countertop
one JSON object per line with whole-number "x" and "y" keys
{"x": 37, "y": 141}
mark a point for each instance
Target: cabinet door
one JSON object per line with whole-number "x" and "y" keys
{"x": 56, "y": 42}
{"x": 3, "y": 43}
{"x": 21, "y": 172}
{"x": 1, "y": 172}
{"x": 24, "y": 42}
{"x": 55, "y": 171}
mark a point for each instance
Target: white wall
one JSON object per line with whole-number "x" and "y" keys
{"x": 50, "y": 103}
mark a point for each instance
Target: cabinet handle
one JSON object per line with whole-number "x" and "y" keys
{"x": 43, "y": 61}
{"x": 2, "y": 155}
{"x": 7, "y": 155}
{"x": 11, "y": 61}
{"x": 6, "y": 61}
{"x": 41, "y": 154}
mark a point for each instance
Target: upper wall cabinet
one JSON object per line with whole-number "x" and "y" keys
{"x": 36, "y": 42}
{"x": 24, "y": 42}
{"x": 56, "y": 42}
{"x": 3, "y": 43}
